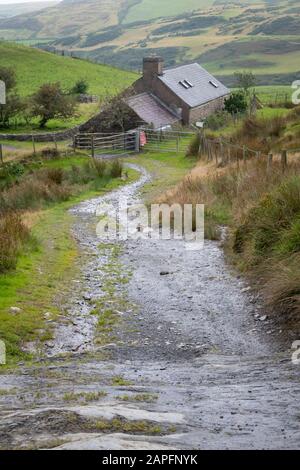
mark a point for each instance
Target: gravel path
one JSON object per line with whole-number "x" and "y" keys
{"x": 191, "y": 362}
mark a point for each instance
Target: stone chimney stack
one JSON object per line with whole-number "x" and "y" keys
{"x": 152, "y": 67}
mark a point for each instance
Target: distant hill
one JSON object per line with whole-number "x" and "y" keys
{"x": 223, "y": 35}
{"x": 35, "y": 67}
{"x": 66, "y": 18}
{"x": 14, "y": 9}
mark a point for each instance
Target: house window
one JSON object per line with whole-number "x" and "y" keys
{"x": 214, "y": 84}
{"x": 186, "y": 84}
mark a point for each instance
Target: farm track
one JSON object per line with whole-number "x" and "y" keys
{"x": 185, "y": 364}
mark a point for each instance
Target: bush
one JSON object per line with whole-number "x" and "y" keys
{"x": 13, "y": 236}
{"x": 236, "y": 103}
{"x": 51, "y": 102}
{"x": 12, "y": 170}
{"x": 80, "y": 88}
{"x": 217, "y": 120}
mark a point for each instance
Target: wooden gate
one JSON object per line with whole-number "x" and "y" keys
{"x": 107, "y": 144}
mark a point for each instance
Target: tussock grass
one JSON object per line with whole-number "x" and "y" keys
{"x": 13, "y": 236}
{"x": 131, "y": 427}
{"x": 116, "y": 169}
{"x": 268, "y": 221}
{"x": 84, "y": 396}
{"x": 282, "y": 285}
{"x": 32, "y": 190}
{"x": 140, "y": 397}
{"x": 55, "y": 184}
{"x": 119, "y": 381}
{"x": 270, "y": 133}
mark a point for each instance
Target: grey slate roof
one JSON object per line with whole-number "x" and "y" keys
{"x": 151, "y": 110}
{"x": 202, "y": 91}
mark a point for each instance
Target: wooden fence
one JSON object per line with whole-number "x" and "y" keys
{"x": 33, "y": 147}
{"x": 226, "y": 153}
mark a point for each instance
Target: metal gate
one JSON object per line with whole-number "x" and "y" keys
{"x": 167, "y": 140}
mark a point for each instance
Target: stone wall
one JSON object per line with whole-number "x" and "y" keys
{"x": 43, "y": 137}
{"x": 202, "y": 112}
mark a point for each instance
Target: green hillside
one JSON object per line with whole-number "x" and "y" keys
{"x": 35, "y": 67}
{"x": 69, "y": 17}
{"x": 149, "y": 9}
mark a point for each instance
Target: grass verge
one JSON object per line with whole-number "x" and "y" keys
{"x": 42, "y": 273}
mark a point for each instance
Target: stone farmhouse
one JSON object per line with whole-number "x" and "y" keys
{"x": 184, "y": 94}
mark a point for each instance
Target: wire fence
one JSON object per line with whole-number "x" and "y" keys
{"x": 275, "y": 98}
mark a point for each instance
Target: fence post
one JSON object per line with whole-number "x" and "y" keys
{"x": 177, "y": 144}
{"x": 54, "y": 140}
{"x": 93, "y": 146}
{"x": 244, "y": 154}
{"x": 208, "y": 150}
{"x": 201, "y": 140}
{"x": 284, "y": 159}
{"x": 74, "y": 143}
{"x": 222, "y": 153}
{"x": 270, "y": 161}
{"x": 137, "y": 141}
{"x": 33, "y": 145}
{"x": 1, "y": 155}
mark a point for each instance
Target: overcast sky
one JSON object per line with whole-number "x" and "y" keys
{"x": 7, "y": 2}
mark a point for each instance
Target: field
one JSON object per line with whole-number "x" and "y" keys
{"x": 149, "y": 9}
{"x": 35, "y": 67}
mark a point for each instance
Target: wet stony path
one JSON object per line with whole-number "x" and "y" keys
{"x": 181, "y": 356}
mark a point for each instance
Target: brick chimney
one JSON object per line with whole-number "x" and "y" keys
{"x": 152, "y": 67}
